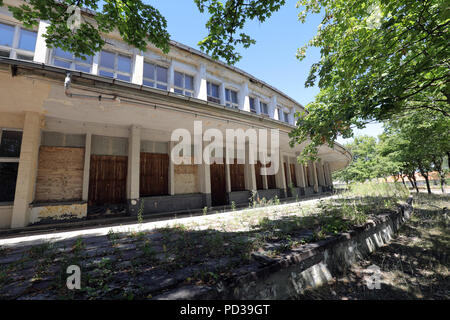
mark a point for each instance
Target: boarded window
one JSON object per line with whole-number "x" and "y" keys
{"x": 271, "y": 183}
{"x": 237, "y": 176}
{"x": 154, "y": 174}
{"x": 293, "y": 177}
{"x": 218, "y": 184}
{"x": 60, "y": 174}
{"x": 10, "y": 145}
{"x": 8, "y": 177}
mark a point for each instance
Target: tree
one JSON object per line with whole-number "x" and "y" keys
{"x": 139, "y": 23}
{"x": 367, "y": 163}
{"x": 420, "y": 141}
{"x": 379, "y": 60}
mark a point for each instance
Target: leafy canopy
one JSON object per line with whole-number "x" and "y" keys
{"x": 139, "y": 23}
{"x": 379, "y": 60}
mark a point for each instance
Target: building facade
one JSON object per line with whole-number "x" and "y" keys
{"x": 81, "y": 137}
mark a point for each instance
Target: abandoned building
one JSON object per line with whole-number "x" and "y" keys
{"x": 102, "y": 144}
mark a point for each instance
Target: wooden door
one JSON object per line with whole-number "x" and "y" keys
{"x": 293, "y": 177}
{"x": 271, "y": 182}
{"x": 108, "y": 180}
{"x": 286, "y": 174}
{"x": 237, "y": 176}
{"x": 154, "y": 174}
{"x": 218, "y": 184}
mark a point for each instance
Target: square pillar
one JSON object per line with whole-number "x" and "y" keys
{"x": 300, "y": 174}
{"x": 171, "y": 170}
{"x": 134, "y": 163}
{"x": 244, "y": 99}
{"x": 280, "y": 181}
{"x": 28, "y": 165}
{"x": 87, "y": 166}
{"x": 314, "y": 176}
{"x": 138, "y": 69}
{"x": 200, "y": 85}
{"x": 320, "y": 174}
{"x": 205, "y": 182}
{"x": 41, "y": 50}
{"x": 171, "y": 78}
{"x": 227, "y": 177}
{"x": 249, "y": 169}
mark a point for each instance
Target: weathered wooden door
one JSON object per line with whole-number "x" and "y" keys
{"x": 154, "y": 174}
{"x": 271, "y": 182}
{"x": 237, "y": 176}
{"x": 108, "y": 179}
{"x": 293, "y": 177}
{"x": 218, "y": 184}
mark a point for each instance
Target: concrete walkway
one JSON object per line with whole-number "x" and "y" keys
{"x": 32, "y": 240}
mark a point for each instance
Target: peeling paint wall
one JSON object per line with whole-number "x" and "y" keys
{"x": 48, "y": 213}
{"x": 5, "y": 216}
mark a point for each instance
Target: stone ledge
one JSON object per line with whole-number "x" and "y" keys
{"x": 311, "y": 265}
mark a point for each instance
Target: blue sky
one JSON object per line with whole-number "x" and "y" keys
{"x": 272, "y": 59}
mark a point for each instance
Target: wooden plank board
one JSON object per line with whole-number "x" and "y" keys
{"x": 154, "y": 174}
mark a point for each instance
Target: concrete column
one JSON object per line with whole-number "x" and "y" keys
{"x": 265, "y": 183}
{"x": 272, "y": 107}
{"x": 329, "y": 179}
{"x": 41, "y": 50}
{"x": 222, "y": 94}
{"x": 200, "y": 85}
{"x": 280, "y": 181}
{"x": 87, "y": 166}
{"x": 300, "y": 175}
{"x": 288, "y": 173}
{"x": 249, "y": 169}
{"x": 171, "y": 78}
{"x": 227, "y": 177}
{"x": 257, "y": 106}
{"x": 320, "y": 174}
{"x": 95, "y": 62}
{"x": 205, "y": 182}
{"x": 314, "y": 176}
{"x": 138, "y": 69}
{"x": 171, "y": 170}
{"x": 26, "y": 175}
{"x": 134, "y": 163}
{"x": 244, "y": 99}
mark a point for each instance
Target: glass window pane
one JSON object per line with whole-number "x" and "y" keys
{"x": 234, "y": 97}
{"x": 10, "y": 144}
{"x": 188, "y": 93}
{"x": 123, "y": 78}
{"x": 189, "y": 82}
{"x": 62, "y": 64}
{"x": 178, "y": 79}
{"x": 106, "y": 74}
{"x": 178, "y": 91}
{"x": 8, "y": 177}
{"x": 4, "y": 54}
{"x": 27, "y": 40}
{"x": 107, "y": 59}
{"x": 87, "y": 60}
{"x": 161, "y": 74}
{"x": 23, "y": 57}
{"x": 81, "y": 68}
{"x": 148, "y": 83}
{"x": 124, "y": 64}
{"x": 58, "y": 52}
{"x": 161, "y": 86}
{"x": 149, "y": 71}
{"x": 6, "y": 35}
{"x": 227, "y": 95}
{"x": 214, "y": 90}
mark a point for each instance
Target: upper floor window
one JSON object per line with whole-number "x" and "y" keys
{"x": 16, "y": 42}
{"x": 231, "y": 99}
{"x": 155, "y": 76}
{"x": 184, "y": 84}
{"x": 68, "y": 60}
{"x": 264, "y": 107}
{"x": 213, "y": 92}
{"x": 285, "y": 117}
{"x": 115, "y": 65}
{"x": 252, "y": 105}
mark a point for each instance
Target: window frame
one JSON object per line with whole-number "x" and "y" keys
{"x": 10, "y": 159}
{"x": 72, "y": 61}
{"x": 155, "y": 79}
{"x": 286, "y": 117}
{"x": 14, "y": 50}
{"x": 183, "y": 89}
{"x": 254, "y": 110}
{"x": 209, "y": 97}
{"x": 115, "y": 71}
{"x": 261, "y": 103}
{"x": 230, "y": 103}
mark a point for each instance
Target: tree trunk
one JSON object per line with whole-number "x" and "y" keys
{"x": 403, "y": 180}
{"x": 424, "y": 174}
{"x": 438, "y": 166}
{"x": 415, "y": 182}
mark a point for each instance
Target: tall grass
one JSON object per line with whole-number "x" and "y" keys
{"x": 377, "y": 189}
